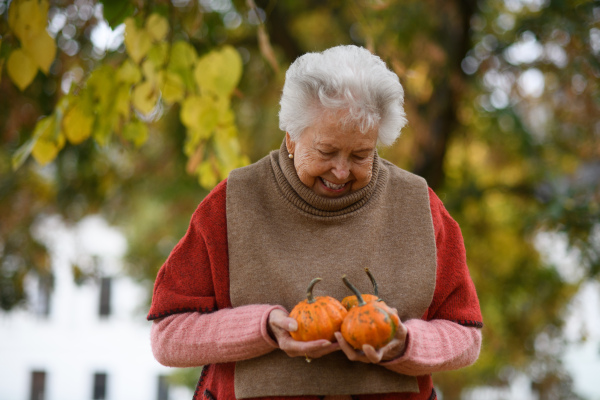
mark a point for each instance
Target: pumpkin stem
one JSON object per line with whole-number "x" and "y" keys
{"x": 309, "y": 292}
{"x": 361, "y": 301}
{"x": 373, "y": 281}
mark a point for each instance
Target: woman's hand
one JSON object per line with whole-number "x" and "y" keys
{"x": 394, "y": 349}
{"x": 280, "y": 326}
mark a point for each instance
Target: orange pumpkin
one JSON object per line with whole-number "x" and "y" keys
{"x": 351, "y": 301}
{"x": 371, "y": 323}
{"x": 318, "y": 317}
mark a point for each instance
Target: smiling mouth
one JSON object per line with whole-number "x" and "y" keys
{"x": 332, "y": 185}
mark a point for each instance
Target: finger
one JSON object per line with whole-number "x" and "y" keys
{"x": 282, "y": 321}
{"x": 322, "y": 351}
{"x": 289, "y": 324}
{"x": 374, "y": 356}
{"x": 315, "y": 348}
{"x": 347, "y": 349}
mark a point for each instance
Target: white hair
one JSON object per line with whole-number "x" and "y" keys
{"x": 349, "y": 79}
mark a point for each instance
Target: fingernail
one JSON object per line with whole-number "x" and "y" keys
{"x": 293, "y": 326}
{"x": 328, "y": 343}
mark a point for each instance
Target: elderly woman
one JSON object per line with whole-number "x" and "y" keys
{"x": 323, "y": 205}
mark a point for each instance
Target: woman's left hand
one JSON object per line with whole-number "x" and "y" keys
{"x": 394, "y": 349}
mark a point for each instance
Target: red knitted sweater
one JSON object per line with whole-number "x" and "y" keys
{"x": 195, "y": 277}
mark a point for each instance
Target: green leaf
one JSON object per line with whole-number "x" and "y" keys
{"x": 182, "y": 60}
{"x": 115, "y": 11}
{"x": 136, "y": 132}
{"x": 158, "y": 54}
{"x": 23, "y": 153}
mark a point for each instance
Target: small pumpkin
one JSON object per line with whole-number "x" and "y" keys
{"x": 371, "y": 323}
{"x": 351, "y": 301}
{"x": 318, "y": 317}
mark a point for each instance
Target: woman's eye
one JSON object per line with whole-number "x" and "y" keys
{"x": 360, "y": 158}
{"x": 326, "y": 153}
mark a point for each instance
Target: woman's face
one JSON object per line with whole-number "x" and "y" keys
{"x": 334, "y": 160}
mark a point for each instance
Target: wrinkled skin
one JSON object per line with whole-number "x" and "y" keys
{"x": 334, "y": 153}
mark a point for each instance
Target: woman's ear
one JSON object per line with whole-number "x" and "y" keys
{"x": 289, "y": 144}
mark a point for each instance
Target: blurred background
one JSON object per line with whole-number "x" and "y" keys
{"x": 118, "y": 116}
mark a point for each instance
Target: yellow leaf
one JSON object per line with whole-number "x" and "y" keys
{"x": 137, "y": 41}
{"x": 129, "y": 73}
{"x": 44, "y": 151}
{"x": 27, "y": 18}
{"x": 219, "y": 71}
{"x": 42, "y": 50}
{"x": 181, "y": 61}
{"x": 183, "y": 55}
{"x": 172, "y": 88}
{"x": 144, "y": 97}
{"x": 199, "y": 113}
{"x": 136, "y": 131}
{"x": 157, "y": 27}
{"x": 103, "y": 132}
{"x": 1, "y": 65}
{"x": 77, "y": 124}
{"x": 207, "y": 175}
{"x": 122, "y": 102}
{"x": 227, "y": 149}
{"x": 21, "y": 68}
{"x": 101, "y": 84}
{"x": 49, "y": 140}
{"x": 150, "y": 71}
{"x": 158, "y": 54}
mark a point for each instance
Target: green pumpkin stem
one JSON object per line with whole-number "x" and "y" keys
{"x": 309, "y": 292}
{"x": 373, "y": 281}
{"x": 361, "y": 301}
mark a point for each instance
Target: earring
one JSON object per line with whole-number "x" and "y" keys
{"x": 291, "y": 155}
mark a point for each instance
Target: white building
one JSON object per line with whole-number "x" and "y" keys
{"x": 88, "y": 341}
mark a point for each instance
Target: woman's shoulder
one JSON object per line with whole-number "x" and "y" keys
{"x": 214, "y": 203}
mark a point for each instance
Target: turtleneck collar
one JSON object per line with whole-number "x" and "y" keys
{"x": 308, "y": 201}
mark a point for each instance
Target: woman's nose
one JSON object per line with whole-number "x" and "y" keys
{"x": 341, "y": 169}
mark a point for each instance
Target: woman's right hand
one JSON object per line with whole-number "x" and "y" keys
{"x": 280, "y": 325}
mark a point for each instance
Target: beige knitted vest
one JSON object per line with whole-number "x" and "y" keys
{"x": 281, "y": 235}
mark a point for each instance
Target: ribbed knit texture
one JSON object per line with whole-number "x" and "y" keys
{"x": 195, "y": 277}
{"x": 308, "y": 201}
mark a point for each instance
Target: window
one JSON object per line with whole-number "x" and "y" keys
{"x": 163, "y": 388}
{"x": 99, "y": 386}
{"x": 38, "y": 385}
{"x": 42, "y": 306}
{"x": 105, "y": 286}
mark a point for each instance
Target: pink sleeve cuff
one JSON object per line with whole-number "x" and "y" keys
{"x": 437, "y": 345}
